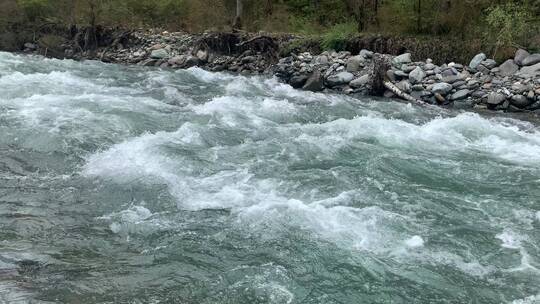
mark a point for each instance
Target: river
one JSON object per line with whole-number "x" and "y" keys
{"x": 138, "y": 185}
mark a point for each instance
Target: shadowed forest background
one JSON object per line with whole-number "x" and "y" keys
{"x": 493, "y": 26}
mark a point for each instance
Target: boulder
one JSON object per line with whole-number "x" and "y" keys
{"x": 202, "y": 55}
{"x": 366, "y": 54}
{"x": 159, "y": 54}
{"x": 495, "y": 98}
{"x": 530, "y": 71}
{"x": 461, "y": 94}
{"x": 177, "y": 60}
{"x": 477, "y": 60}
{"x": 322, "y": 59}
{"x": 298, "y": 81}
{"x": 509, "y": 67}
{"x": 417, "y": 75}
{"x": 404, "y": 86}
{"x": 398, "y": 61}
{"x": 489, "y": 63}
{"x": 531, "y": 59}
{"x": 521, "y": 101}
{"x": 360, "y": 81}
{"x": 354, "y": 63}
{"x": 520, "y": 56}
{"x": 339, "y": 79}
{"x": 442, "y": 88}
{"x": 315, "y": 82}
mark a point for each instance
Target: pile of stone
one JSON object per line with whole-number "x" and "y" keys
{"x": 513, "y": 85}
{"x": 328, "y": 71}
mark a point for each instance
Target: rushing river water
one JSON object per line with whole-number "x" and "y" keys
{"x": 138, "y": 185}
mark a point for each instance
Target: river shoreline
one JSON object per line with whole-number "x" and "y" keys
{"x": 482, "y": 84}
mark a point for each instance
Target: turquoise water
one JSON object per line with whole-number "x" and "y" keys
{"x": 137, "y": 185}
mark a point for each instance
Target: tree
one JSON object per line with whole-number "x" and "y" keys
{"x": 237, "y": 24}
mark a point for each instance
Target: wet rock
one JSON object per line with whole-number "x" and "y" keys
{"x": 531, "y": 59}
{"x": 177, "y": 60}
{"x": 315, "y": 82}
{"x": 159, "y": 54}
{"x": 477, "y": 60}
{"x": 298, "y": 81}
{"x": 339, "y": 79}
{"x": 520, "y": 56}
{"x": 521, "y": 101}
{"x": 509, "y": 67}
{"x": 417, "y": 75}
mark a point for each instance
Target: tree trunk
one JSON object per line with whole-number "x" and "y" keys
{"x": 237, "y": 24}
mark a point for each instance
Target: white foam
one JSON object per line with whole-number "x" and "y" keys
{"x": 535, "y": 299}
{"x": 415, "y": 242}
{"x": 510, "y": 239}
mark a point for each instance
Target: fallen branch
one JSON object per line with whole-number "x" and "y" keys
{"x": 392, "y": 87}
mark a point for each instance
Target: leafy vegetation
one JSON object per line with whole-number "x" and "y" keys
{"x": 502, "y": 23}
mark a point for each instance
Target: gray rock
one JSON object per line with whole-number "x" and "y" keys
{"x": 529, "y": 71}
{"x": 401, "y": 59}
{"x": 417, "y": 75}
{"x": 405, "y": 86}
{"x": 191, "y": 61}
{"x": 521, "y": 101}
{"x": 429, "y": 66}
{"x": 322, "y": 59}
{"x": 442, "y": 88}
{"x": 354, "y": 63}
{"x": 339, "y": 79}
{"x": 531, "y": 59}
{"x": 30, "y": 46}
{"x": 177, "y": 60}
{"x": 359, "y": 82}
{"x": 520, "y": 88}
{"x": 366, "y": 54}
{"x": 407, "y": 68}
{"x": 400, "y": 73}
{"x": 451, "y": 78}
{"x": 495, "y": 98}
{"x": 520, "y": 56}
{"x": 202, "y": 55}
{"x": 449, "y": 72}
{"x": 509, "y": 67}
{"x": 159, "y": 54}
{"x": 298, "y": 81}
{"x": 489, "y": 63}
{"x": 477, "y": 60}
{"x": 461, "y": 94}
{"x": 315, "y": 82}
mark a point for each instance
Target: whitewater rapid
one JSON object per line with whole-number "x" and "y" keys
{"x": 139, "y": 184}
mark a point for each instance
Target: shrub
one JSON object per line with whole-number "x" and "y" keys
{"x": 336, "y": 37}
{"x": 508, "y": 25}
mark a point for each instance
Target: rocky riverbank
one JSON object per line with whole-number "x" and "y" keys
{"x": 513, "y": 85}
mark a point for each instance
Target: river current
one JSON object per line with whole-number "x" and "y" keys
{"x": 140, "y": 185}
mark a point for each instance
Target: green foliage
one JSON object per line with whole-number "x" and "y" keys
{"x": 35, "y": 9}
{"x": 508, "y": 24}
{"x": 337, "y": 36}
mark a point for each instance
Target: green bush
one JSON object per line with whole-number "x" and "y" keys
{"x": 508, "y": 24}
{"x": 336, "y": 37}
{"x": 35, "y": 9}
